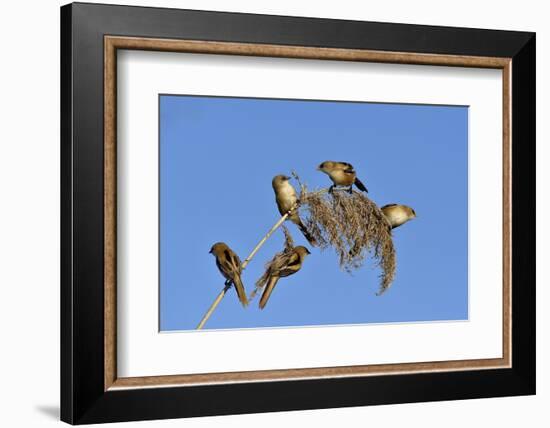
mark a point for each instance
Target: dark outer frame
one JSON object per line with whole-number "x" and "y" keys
{"x": 83, "y": 396}
{"x": 114, "y": 43}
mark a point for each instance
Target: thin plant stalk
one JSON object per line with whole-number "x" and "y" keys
{"x": 213, "y": 306}
{"x": 222, "y": 293}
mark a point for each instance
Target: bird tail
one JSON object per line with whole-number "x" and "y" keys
{"x": 260, "y": 284}
{"x": 268, "y": 290}
{"x": 360, "y": 185}
{"x": 305, "y": 232}
{"x": 239, "y": 288}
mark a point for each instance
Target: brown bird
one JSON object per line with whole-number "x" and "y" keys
{"x": 397, "y": 214}
{"x": 283, "y": 264}
{"x": 287, "y": 199}
{"x": 341, "y": 174}
{"x": 230, "y": 267}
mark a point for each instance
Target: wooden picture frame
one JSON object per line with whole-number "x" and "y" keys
{"x": 91, "y": 390}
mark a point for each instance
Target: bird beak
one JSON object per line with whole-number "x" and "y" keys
{"x": 210, "y": 252}
{"x": 307, "y": 251}
{"x": 319, "y": 168}
{"x": 287, "y": 177}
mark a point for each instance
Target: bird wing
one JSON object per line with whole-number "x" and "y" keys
{"x": 232, "y": 269}
{"x": 347, "y": 167}
{"x": 224, "y": 267}
{"x": 292, "y": 265}
{"x": 232, "y": 260}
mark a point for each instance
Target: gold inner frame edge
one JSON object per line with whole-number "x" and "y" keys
{"x": 113, "y": 43}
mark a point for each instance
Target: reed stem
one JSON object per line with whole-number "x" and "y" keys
{"x": 222, "y": 293}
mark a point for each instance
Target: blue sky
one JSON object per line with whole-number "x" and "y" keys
{"x": 217, "y": 158}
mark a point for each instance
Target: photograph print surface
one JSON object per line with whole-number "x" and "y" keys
{"x": 376, "y": 203}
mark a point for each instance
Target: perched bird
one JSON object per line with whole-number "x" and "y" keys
{"x": 397, "y": 214}
{"x": 229, "y": 265}
{"x": 283, "y": 264}
{"x": 341, "y": 174}
{"x": 287, "y": 199}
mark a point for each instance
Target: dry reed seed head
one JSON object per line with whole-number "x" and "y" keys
{"x": 296, "y": 177}
{"x": 302, "y": 186}
{"x": 353, "y": 226}
{"x": 289, "y": 242}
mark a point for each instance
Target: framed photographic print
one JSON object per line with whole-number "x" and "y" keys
{"x": 265, "y": 213}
